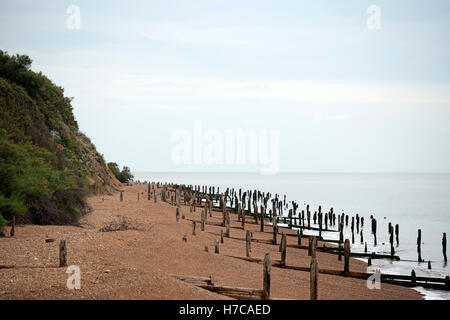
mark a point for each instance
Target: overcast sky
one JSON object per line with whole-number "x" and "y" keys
{"x": 343, "y": 97}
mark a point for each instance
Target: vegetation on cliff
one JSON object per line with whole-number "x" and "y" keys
{"x": 47, "y": 166}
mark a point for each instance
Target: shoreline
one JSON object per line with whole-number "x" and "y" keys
{"x": 139, "y": 263}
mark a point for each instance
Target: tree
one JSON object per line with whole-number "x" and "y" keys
{"x": 123, "y": 176}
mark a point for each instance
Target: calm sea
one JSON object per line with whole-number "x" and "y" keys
{"x": 414, "y": 201}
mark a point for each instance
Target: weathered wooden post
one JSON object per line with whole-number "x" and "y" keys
{"x": 221, "y": 236}
{"x": 310, "y": 246}
{"x": 275, "y": 231}
{"x": 177, "y": 214}
{"x": 340, "y": 250}
{"x": 154, "y": 198}
{"x": 227, "y": 224}
{"x": 248, "y": 242}
{"x": 413, "y": 278}
{"x": 266, "y": 276}
{"x": 121, "y": 196}
{"x": 308, "y": 216}
{"x": 210, "y": 208}
{"x": 138, "y": 195}
{"x": 362, "y": 237}
{"x": 193, "y": 228}
{"x": 429, "y": 265}
{"x": 357, "y": 223}
{"x": 391, "y": 241}
{"x": 243, "y": 218}
{"x": 203, "y": 217}
{"x": 13, "y": 227}
{"x": 369, "y": 262}
{"x": 299, "y": 237}
{"x": 353, "y": 230}
{"x": 283, "y": 250}
{"x": 365, "y": 247}
{"x": 313, "y": 247}
{"x": 313, "y": 279}
{"x": 374, "y": 231}
{"x": 444, "y": 246}
{"x": 419, "y": 244}
{"x": 216, "y": 246}
{"x": 62, "y": 254}
{"x": 397, "y": 231}
{"x": 262, "y": 218}
{"x": 346, "y": 256}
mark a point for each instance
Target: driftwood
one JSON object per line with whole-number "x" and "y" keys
{"x": 236, "y": 292}
{"x": 195, "y": 280}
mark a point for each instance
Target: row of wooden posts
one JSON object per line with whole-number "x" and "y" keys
{"x": 273, "y": 217}
{"x": 165, "y": 193}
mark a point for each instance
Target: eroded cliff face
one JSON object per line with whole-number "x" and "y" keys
{"x": 47, "y": 166}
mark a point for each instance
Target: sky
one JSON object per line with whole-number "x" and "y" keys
{"x": 336, "y": 93}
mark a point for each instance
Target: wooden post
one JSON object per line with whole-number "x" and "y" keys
{"x": 374, "y": 231}
{"x": 138, "y": 195}
{"x": 362, "y": 237}
{"x": 221, "y": 236}
{"x": 419, "y": 244}
{"x": 154, "y": 197}
{"x": 62, "y": 253}
{"x": 227, "y": 223}
{"x": 13, "y": 227}
{"x": 313, "y": 277}
{"x": 262, "y": 218}
{"x": 177, "y": 214}
{"x": 369, "y": 262}
{"x": 203, "y": 219}
{"x": 397, "y": 227}
{"x": 313, "y": 247}
{"x": 413, "y": 278}
{"x": 243, "y": 218}
{"x": 310, "y": 246}
{"x": 266, "y": 276}
{"x": 299, "y": 235}
{"x": 193, "y": 228}
{"x": 391, "y": 241}
{"x": 275, "y": 231}
{"x": 353, "y": 230}
{"x": 216, "y": 246}
{"x": 444, "y": 246}
{"x": 283, "y": 250}
{"x": 121, "y": 196}
{"x": 429, "y": 265}
{"x": 248, "y": 242}
{"x": 346, "y": 256}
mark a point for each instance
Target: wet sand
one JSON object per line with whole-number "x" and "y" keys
{"x": 139, "y": 263}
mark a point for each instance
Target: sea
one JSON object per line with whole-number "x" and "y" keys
{"x": 413, "y": 201}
